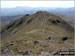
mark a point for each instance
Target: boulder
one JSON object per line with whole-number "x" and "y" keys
{"x": 45, "y": 54}
{"x": 11, "y": 43}
{"x": 71, "y": 48}
{"x": 20, "y": 50}
{"x": 49, "y": 38}
{"x": 27, "y": 53}
{"x": 65, "y": 38}
{"x": 8, "y": 52}
{"x": 36, "y": 41}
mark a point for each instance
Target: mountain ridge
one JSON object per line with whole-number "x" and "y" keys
{"x": 40, "y": 15}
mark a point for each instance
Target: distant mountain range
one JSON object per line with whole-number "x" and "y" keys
{"x": 25, "y": 10}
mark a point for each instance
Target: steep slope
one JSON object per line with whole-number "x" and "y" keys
{"x": 39, "y": 26}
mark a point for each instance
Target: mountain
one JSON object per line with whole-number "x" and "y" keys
{"x": 50, "y": 31}
{"x": 20, "y": 21}
{"x": 9, "y": 14}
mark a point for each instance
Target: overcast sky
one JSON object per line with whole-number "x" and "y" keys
{"x": 59, "y": 4}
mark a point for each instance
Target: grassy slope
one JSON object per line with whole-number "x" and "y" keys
{"x": 34, "y": 31}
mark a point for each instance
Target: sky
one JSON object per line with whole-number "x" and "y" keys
{"x": 59, "y": 4}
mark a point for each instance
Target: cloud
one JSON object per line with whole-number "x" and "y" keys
{"x": 10, "y": 4}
